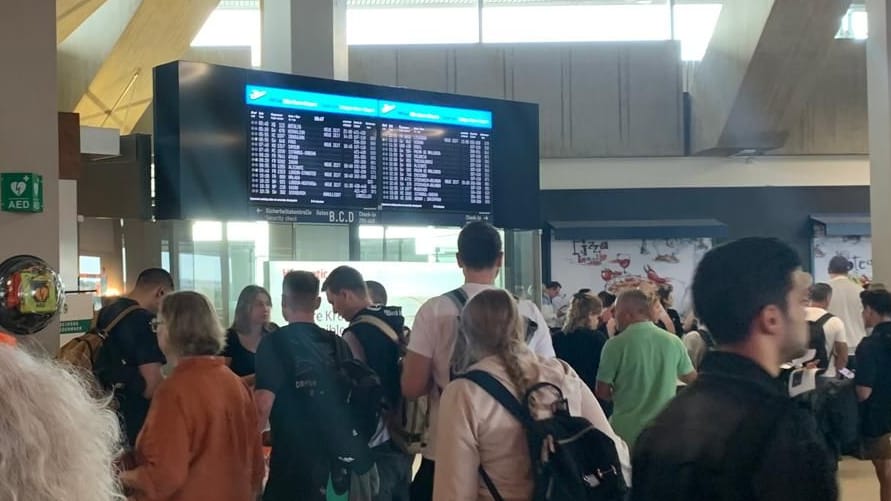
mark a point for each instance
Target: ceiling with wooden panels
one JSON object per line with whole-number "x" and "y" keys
{"x": 72, "y": 13}
{"x": 121, "y": 89}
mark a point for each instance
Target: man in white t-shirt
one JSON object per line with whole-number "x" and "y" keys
{"x": 833, "y": 328}
{"x": 554, "y": 305}
{"x": 427, "y": 363}
{"x": 845, "y": 302}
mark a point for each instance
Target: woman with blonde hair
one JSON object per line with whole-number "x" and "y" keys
{"x": 56, "y": 441}
{"x": 475, "y": 430}
{"x": 579, "y": 343}
{"x": 200, "y": 439}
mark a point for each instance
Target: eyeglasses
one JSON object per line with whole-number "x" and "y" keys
{"x": 155, "y": 324}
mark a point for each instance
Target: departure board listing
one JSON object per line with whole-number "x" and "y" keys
{"x": 310, "y": 149}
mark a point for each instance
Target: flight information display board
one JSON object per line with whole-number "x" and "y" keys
{"x": 326, "y": 150}
{"x": 305, "y": 151}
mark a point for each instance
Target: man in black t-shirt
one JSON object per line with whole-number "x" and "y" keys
{"x": 873, "y": 382}
{"x": 132, "y": 348}
{"x": 371, "y": 338}
{"x": 734, "y": 433}
{"x": 299, "y": 467}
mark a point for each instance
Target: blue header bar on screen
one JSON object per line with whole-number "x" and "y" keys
{"x": 256, "y": 95}
{"x": 395, "y": 110}
{"x": 311, "y": 101}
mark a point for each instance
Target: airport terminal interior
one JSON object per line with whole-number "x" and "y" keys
{"x": 613, "y": 144}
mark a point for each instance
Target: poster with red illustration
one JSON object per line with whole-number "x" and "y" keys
{"x": 613, "y": 265}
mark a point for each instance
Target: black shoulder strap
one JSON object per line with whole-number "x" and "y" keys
{"x": 504, "y": 397}
{"x": 458, "y": 296}
{"x": 821, "y": 322}
{"x": 501, "y": 394}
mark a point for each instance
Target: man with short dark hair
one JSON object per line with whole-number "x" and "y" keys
{"x": 640, "y": 368}
{"x": 833, "y": 344}
{"x": 131, "y": 359}
{"x": 873, "y": 385}
{"x": 734, "y": 434}
{"x": 374, "y": 336}
{"x": 426, "y": 370}
{"x": 298, "y": 468}
{"x": 845, "y": 303}
{"x": 377, "y": 293}
{"x": 553, "y": 305}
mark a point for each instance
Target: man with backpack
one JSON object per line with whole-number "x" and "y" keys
{"x": 427, "y": 365}
{"x": 375, "y": 337}
{"x": 317, "y": 442}
{"x": 130, "y": 360}
{"x": 734, "y": 434}
{"x": 827, "y": 332}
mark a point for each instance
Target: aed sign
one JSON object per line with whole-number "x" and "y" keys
{"x": 21, "y": 192}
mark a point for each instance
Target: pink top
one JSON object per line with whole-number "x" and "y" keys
{"x": 474, "y": 429}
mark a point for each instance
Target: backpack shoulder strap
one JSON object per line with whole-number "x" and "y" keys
{"x": 531, "y": 329}
{"x": 821, "y": 322}
{"x": 501, "y": 394}
{"x": 458, "y": 297}
{"x": 104, "y": 331}
{"x": 380, "y": 325}
{"x": 504, "y": 397}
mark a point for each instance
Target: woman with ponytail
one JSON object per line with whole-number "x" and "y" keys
{"x": 474, "y": 429}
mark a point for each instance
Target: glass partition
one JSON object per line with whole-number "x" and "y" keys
{"x": 219, "y": 259}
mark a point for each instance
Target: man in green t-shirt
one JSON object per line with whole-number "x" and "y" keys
{"x": 640, "y": 367}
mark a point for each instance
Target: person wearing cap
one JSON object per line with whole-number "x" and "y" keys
{"x": 734, "y": 433}
{"x": 845, "y": 303}
{"x": 873, "y": 386}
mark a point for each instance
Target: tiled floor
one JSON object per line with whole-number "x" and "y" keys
{"x": 856, "y": 478}
{"x": 858, "y": 481}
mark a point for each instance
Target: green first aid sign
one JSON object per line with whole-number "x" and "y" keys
{"x": 21, "y": 192}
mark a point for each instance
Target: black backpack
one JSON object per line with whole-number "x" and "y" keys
{"x": 338, "y": 400}
{"x": 818, "y": 341}
{"x": 583, "y": 464}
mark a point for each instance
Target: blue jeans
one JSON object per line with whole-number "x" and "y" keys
{"x": 394, "y": 468}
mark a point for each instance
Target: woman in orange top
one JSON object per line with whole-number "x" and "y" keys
{"x": 200, "y": 439}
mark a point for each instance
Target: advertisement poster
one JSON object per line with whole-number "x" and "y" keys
{"x": 857, "y": 250}
{"x": 612, "y": 265}
{"x": 408, "y": 285}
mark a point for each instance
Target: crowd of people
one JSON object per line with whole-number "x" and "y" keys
{"x": 616, "y": 402}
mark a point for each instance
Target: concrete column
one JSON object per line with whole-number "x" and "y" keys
{"x": 69, "y": 262}
{"x": 305, "y": 37}
{"x": 878, "y": 65}
{"x": 29, "y": 131}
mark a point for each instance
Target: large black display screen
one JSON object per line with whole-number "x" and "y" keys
{"x": 235, "y": 144}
